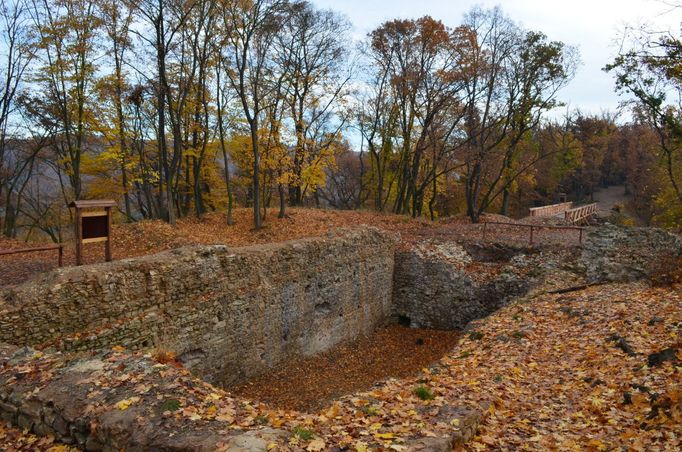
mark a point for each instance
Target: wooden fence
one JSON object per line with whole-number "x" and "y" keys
{"x": 579, "y": 214}
{"x": 550, "y": 211}
{"x": 532, "y": 228}
{"x": 59, "y": 247}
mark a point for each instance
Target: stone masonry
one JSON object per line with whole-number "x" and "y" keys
{"x": 228, "y": 314}
{"x": 616, "y": 253}
{"x": 433, "y": 289}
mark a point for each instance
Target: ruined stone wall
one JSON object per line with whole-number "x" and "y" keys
{"x": 228, "y": 314}
{"x": 617, "y": 254}
{"x": 433, "y": 288}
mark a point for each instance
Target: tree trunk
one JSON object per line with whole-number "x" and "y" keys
{"x": 282, "y": 204}
{"x": 506, "y": 196}
{"x": 257, "y": 220}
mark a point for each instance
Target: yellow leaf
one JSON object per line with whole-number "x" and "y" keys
{"x": 598, "y": 444}
{"x": 225, "y": 418}
{"x": 333, "y": 411}
{"x": 489, "y": 440}
{"x": 383, "y": 435}
{"x": 59, "y": 448}
{"x": 124, "y": 404}
{"x": 360, "y": 446}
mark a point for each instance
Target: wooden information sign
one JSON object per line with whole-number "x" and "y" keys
{"x": 93, "y": 225}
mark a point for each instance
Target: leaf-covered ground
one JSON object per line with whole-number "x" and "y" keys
{"x": 12, "y": 439}
{"x": 573, "y": 371}
{"x": 310, "y": 383}
{"x": 147, "y": 237}
{"x": 597, "y": 369}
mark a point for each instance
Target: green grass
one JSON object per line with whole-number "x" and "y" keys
{"x": 476, "y": 336}
{"x": 305, "y": 435}
{"x": 170, "y": 405}
{"x": 423, "y": 393}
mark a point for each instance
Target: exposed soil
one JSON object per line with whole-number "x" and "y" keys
{"x": 609, "y": 197}
{"x": 309, "y": 384}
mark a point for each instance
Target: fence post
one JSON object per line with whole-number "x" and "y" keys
{"x": 531, "y": 236}
{"x": 61, "y": 255}
{"x": 485, "y": 228}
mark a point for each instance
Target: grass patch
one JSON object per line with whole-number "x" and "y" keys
{"x": 519, "y": 334}
{"x": 476, "y": 335}
{"x": 423, "y": 393}
{"x": 302, "y": 433}
{"x": 169, "y": 405}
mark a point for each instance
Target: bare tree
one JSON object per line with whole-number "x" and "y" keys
{"x": 167, "y": 20}
{"x": 311, "y": 50}
{"x": 15, "y": 43}
{"x": 249, "y": 28}
{"x": 513, "y": 79}
{"x": 67, "y": 47}
{"x": 117, "y": 19}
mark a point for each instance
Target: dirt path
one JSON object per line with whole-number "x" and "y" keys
{"x": 608, "y": 197}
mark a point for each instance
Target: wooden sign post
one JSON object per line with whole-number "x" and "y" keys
{"x": 93, "y": 225}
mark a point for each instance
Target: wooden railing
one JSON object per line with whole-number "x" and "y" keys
{"x": 532, "y": 228}
{"x": 59, "y": 247}
{"x": 579, "y": 214}
{"x": 550, "y": 211}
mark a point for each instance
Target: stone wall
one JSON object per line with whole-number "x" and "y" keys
{"x": 228, "y": 314}
{"x": 433, "y": 288}
{"x": 618, "y": 254}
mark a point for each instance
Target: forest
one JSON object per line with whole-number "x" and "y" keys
{"x": 176, "y": 108}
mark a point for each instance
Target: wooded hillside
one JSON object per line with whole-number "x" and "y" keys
{"x": 182, "y": 107}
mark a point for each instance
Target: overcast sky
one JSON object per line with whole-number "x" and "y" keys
{"x": 590, "y": 25}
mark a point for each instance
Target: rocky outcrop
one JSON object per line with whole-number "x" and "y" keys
{"x": 111, "y": 402}
{"x": 619, "y": 254}
{"x": 117, "y": 401}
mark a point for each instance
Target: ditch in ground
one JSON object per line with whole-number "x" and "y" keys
{"x": 310, "y": 383}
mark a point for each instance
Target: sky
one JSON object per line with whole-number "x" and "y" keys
{"x": 593, "y": 26}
